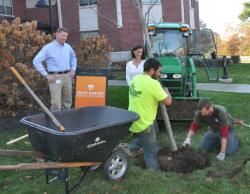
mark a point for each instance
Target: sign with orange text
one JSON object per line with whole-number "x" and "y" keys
{"x": 90, "y": 91}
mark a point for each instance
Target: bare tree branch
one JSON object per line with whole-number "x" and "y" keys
{"x": 149, "y": 9}
{"x": 138, "y": 4}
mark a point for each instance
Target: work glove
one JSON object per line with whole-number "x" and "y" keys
{"x": 220, "y": 156}
{"x": 187, "y": 142}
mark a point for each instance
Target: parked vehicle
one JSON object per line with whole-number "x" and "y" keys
{"x": 180, "y": 49}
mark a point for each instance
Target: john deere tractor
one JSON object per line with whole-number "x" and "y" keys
{"x": 180, "y": 50}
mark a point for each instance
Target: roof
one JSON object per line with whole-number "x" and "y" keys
{"x": 168, "y": 25}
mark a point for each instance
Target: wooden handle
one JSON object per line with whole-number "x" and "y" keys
{"x": 18, "y": 153}
{"x": 52, "y": 117}
{"x": 44, "y": 165}
{"x": 19, "y": 77}
{"x": 16, "y": 140}
{"x": 167, "y": 123}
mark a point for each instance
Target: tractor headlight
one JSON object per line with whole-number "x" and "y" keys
{"x": 177, "y": 76}
{"x": 164, "y": 76}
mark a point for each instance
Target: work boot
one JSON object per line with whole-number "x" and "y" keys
{"x": 131, "y": 153}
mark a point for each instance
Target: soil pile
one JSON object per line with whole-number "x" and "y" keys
{"x": 180, "y": 110}
{"x": 185, "y": 160}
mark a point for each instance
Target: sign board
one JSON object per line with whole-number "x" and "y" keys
{"x": 90, "y": 90}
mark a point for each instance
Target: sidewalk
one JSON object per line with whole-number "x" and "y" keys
{"x": 219, "y": 87}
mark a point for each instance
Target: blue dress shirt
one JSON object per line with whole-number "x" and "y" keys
{"x": 57, "y": 56}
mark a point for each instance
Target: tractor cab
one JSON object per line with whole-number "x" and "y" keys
{"x": 181, "y": 50}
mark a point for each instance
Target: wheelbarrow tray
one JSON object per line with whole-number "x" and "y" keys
{"x": 91, "y": 133}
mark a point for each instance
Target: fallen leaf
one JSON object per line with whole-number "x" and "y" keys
{"x": 28, "y": 177}
{"x": 209, "y": 179}
{"x": 116, "y": 188}
{"x": 27, "y": 143}
{"x": 5, "y": 187}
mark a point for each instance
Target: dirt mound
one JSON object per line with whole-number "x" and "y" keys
{"x": 180, "y": 110}
{"x": 185, "y": 160}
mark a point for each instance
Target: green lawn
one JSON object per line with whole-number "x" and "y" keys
{"x": 138, "y": 181}
{"x": 239, "y": 73}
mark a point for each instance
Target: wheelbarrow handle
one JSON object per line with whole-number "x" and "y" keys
{"x": 52, "y": 117}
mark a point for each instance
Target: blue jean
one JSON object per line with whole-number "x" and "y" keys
{"x": 147, "y": 140}
{"x": 212, "y": 140}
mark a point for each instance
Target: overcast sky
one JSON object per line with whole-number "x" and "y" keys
{"x": 218, "y": 14}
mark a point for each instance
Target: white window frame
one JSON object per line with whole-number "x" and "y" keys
{"x": 5, "y": 9}
{"x": 151, "y": 1}
{"x": 97, "y": 31}
{"x": 119, "y": 14}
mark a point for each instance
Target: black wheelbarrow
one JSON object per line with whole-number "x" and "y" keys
{"x": 92, "y": 134}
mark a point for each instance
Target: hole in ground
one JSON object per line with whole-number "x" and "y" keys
{"x": 184, "y": 160}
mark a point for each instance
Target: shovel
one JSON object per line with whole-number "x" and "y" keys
{"x": 168, "y": 126}
{"x": 51, "y": 116}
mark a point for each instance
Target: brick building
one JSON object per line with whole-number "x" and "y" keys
{"x": 116, "y": 19}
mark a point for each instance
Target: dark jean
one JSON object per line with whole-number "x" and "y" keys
{"x": 212, "y": 140}
{"x": 147, "y": 140}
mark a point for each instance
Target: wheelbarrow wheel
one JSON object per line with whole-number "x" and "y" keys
{"x": 116, "y": 165}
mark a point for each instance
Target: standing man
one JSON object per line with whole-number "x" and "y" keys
{"x": 61, "y": 66}
{"x": 221, "y": 129}
{"x": 145, "y": 93}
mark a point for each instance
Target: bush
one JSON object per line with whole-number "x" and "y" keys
{"x": 93, "y": 53}
{"x": 119, "y": 65}
{"x": 235, "y": 59}
{"x": 19, "y": 43}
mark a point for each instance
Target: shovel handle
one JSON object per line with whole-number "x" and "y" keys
{"x": 18, "y": 76}
{"x": 52, "y": 117}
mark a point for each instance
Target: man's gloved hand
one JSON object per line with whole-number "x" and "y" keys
{"x": 238, "y": 121}
{"x": 220, "y": 156}
{"x": 187, "y": 142}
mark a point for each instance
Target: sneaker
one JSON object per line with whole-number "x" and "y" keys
{"x": 131, "y": 153}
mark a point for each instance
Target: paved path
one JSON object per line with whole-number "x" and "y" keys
{"x": 220, "y": 87}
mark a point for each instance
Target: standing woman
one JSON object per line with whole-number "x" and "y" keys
{"x": 135, "y": 66}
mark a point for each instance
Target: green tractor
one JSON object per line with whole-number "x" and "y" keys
{"x": 180, "y": 50}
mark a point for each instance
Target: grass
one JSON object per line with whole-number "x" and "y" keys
{"x": 138, "y": 181}
{"x": 239, "y": 73}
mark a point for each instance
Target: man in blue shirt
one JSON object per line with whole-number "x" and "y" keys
{"x": 61, "y": 66}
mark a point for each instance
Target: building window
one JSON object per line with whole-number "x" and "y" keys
{"x": 192, "y": 3}
{"x": 88, "y": 34}
{"x": 6, "y": 7}
{"x": 87, "y": 2}
{"x": 151, "y": 1}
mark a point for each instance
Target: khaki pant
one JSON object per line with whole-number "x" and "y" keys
{"x": 61, "y": 92}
